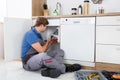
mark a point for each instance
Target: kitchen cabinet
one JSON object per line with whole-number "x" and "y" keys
{"x": 108, "y": 39}
{"x": 108, "y": 20}
{"x": 24, "y": 8}
{"x": 108, "y": 34}
{"x": 108, "y": 54}
{"x": 78, "y": 42}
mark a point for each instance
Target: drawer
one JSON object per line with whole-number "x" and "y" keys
{"x": 108, "y": 34}
{"x": 52, "y": 22}
{"x": 108, "y": 20}
{"x": 108, "y": 53}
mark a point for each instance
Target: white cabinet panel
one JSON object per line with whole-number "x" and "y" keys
{"x": 81, "y": 20}
{"x": 108, "y": 34}
{"x": 1, "y": 41}
{"x": 14, "y": 31}
{"x": 52, "y": 22}
{"x": 108, "y": 54}
{"x": 108, "y": 20}
{"x": 78, "y": 42}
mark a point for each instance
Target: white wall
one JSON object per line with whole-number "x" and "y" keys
{"x": 108, "y": 5}
{"x": 15, "y": 8}
{"x": 19, "y": 8}
{"x": 2, "y": 10}
{"x": 1, "y": 41}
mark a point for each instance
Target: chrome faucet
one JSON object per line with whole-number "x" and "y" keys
{"x": 59, "y": 8}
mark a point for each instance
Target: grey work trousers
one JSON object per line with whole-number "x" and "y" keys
{"x": 51, "y": 59}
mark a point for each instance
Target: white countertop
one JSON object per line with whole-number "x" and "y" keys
{"x": 90, "y": 15}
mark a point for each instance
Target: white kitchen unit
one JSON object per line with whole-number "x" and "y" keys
{"x": 108, "y": 39}
{"x": 78, "y": 38}
{"x": 14, "y": 30}
{"x": 1, "y": 41}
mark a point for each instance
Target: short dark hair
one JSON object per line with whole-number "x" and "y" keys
{"x": 41, "y": 21}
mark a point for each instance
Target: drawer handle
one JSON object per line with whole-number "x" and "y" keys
{"x": 118, "y": 29}
{"x": 76, "y": 22}
{"x": 118, "y": 19}
{"x": 118, "y": 49}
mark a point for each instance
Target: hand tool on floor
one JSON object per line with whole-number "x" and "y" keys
{"x": 116, "y": 76}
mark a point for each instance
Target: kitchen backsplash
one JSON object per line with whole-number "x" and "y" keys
{"x": 108, "y": 5}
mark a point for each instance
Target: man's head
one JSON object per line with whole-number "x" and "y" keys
{"x": 41, "y": 24}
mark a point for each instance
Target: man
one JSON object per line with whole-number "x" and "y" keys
{"x": 36, "y": 56}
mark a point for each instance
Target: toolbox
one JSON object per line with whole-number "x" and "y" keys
{"x": 89, "y": 75}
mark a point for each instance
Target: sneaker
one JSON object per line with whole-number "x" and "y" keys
{"x": 72, "y": 68}
{"x": 53, "y": 73}
{"x": 77, "y": 67}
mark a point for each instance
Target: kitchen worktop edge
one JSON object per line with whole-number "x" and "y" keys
{"x": 73, "y": 16}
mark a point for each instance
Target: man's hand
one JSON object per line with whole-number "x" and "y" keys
{"x": 37, "y": 46}
{"x": 53, "y": 40}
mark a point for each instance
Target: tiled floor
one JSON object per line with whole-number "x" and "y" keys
{"x": 13, "y": 71}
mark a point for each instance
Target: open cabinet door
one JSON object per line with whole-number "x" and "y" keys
{"x": 14, "y": 30}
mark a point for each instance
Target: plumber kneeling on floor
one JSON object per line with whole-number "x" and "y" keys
{"x": 36, "y": 54}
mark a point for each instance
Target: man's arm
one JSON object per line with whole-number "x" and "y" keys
{"x": 37, "y": 46}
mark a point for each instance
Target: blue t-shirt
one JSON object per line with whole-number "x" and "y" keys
{"x": 30, "y": 38}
